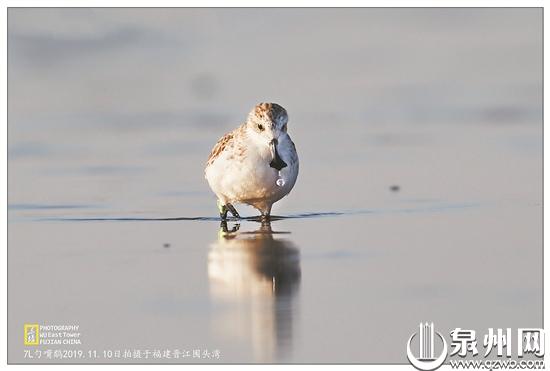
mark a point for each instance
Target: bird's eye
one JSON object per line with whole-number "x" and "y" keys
{"x": 260, "y": 127}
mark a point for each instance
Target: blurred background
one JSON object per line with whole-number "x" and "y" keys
{"x": 114, "y": 94}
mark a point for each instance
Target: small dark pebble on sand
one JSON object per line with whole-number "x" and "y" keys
{"x": 395, "y": 188}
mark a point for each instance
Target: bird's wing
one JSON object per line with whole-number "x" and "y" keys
{"x": 219, "y": 147}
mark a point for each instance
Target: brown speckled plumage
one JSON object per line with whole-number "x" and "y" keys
{"x": 271, "y": 110}
{"x": 219, "y": 147}
{"x": 225, "y": 142}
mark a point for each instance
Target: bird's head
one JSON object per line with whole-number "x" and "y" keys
{"x": 267, "y": 123}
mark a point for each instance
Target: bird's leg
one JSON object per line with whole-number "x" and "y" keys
{"x": 266, "y": 215}
{"x": 233, "y": 210}
{"x": 223, "y": 210}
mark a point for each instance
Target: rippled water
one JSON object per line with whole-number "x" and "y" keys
{"x": 419, "y": 196}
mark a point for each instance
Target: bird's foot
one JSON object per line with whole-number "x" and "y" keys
{"x": 224, "y": 208}
{"x": 233, "y": 211}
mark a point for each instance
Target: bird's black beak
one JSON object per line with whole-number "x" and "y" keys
{"x": 276, "y": 162}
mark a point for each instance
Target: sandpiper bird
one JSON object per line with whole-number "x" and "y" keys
{"x": 255, "y": 164}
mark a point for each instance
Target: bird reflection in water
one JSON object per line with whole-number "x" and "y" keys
{"x": 255, "y": 276}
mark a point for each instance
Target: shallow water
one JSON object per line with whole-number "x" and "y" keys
{"x": 419, "y": 196}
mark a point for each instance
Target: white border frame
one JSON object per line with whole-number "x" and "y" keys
{"x": 222, "y": 3}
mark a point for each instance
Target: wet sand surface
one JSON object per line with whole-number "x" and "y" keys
{"x": 419, "y": 196}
